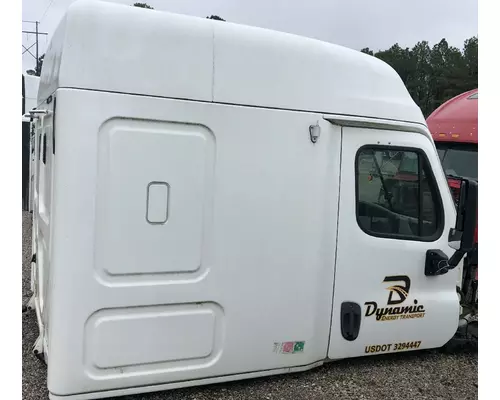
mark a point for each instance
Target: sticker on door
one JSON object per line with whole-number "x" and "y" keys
{"x": 396, "y": 310}
{"x": 289, "y": 347}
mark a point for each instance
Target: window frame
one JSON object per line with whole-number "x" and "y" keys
{"x": 433, "y": 185}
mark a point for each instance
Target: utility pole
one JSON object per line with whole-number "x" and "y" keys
{"x": 36, "y": 30}
{"x": 36, "y": 33}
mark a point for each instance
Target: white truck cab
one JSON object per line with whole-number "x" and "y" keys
{"x": 217, "y": 202}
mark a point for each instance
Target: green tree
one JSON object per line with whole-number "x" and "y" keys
{"x": 38, "y": 68}
{"x": 418, "y": 84}
{"x": 216, "y": 17}
{"x": 39, "y": 64}
{"x": 400, "y": 59}
{"x": 146, "y": 5}
{"x": 143, "y": 5}
{"x": 448, "y": 73}
{"x": 433, "y": 75}
{"x": 471, "y": 60}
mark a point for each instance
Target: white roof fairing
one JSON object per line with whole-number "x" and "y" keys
{"x": 117, "y": 48}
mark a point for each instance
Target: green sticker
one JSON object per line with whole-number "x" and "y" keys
{"x": 298, "y": 347}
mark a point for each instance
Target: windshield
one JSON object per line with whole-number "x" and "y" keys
{"x": 458, "y": 159}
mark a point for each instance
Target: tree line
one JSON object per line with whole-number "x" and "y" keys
{"x": 431, "y": 75}
{"x": 434, "y": 75}
{"x": 146, "y": 5}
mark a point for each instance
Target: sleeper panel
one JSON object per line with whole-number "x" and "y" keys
{"x": 151, "y": 186}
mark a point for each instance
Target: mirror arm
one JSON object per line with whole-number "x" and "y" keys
{"x": 456, "y": 258}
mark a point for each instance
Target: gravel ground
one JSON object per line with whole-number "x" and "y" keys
{"x": 417, "y": 375}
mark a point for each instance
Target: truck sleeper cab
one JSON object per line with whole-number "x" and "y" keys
{"x": 209, "y": 213}
{"x": 454, "y": 128}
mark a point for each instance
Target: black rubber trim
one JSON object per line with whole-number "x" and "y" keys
{"x": 54, "y": 128}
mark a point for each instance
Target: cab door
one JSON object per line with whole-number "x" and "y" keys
{"x": 394, "y": 206}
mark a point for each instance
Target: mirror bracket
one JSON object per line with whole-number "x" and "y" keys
{"x": 436, "y": 263}
{"x": 461, "y": 237}
{"x": 456, "y": 258}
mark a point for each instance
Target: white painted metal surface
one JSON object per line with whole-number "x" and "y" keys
{"x": 187, "y": 230}
{"x": 224, "y": 265}
{"x": 223, "y": 63}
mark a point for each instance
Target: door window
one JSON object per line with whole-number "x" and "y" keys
{"x": 397, "y": 195}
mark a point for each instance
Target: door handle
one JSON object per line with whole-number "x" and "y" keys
{"x": 350, "y": 320}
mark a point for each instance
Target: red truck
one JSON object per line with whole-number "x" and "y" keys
{"x": 454, "y": 128}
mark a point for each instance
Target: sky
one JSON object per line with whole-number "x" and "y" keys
{"x": 377, "y": 24}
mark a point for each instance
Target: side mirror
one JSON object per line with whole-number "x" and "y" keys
{"x": 461, "y": 238}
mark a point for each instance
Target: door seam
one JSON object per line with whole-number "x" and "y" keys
{"x": 336, "y": 241}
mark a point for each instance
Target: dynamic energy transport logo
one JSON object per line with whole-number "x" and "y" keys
{"x": 398, "y": 294}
